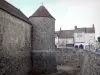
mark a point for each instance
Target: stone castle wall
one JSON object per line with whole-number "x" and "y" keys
{"x": 44, "y": 33}
{"x": 15, "y": 45}
{"x": 44, "y": 60}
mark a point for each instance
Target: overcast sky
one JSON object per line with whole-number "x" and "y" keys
{"x": 68, "y": 13}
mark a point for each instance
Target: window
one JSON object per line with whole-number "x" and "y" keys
{"x": 79, "y": 34}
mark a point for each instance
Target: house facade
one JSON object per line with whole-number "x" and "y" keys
{"x": 64, "y": 38}
{"x": 79, "y": 38}
{"x": 84, "y": 38}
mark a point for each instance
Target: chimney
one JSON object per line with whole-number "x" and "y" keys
{"x": 93, "y": 26}
{"x": 75, "y": 27}
{"x": 60, "y": 28}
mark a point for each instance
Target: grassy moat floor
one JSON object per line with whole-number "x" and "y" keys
{"x": 63, "y": 70}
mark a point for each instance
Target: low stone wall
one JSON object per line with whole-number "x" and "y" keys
{"x": 69, "y": 57}
{"x": 87, "y": 61}
{"x": 91, "y": 65}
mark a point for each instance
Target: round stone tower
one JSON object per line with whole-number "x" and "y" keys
{"x": 43, "y": 41}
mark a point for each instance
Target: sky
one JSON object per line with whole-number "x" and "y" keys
{"x": 68, "y": 13}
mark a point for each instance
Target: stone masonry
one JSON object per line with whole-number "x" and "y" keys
{"x": 44, "y": 60}
{"x": 69, "y": 57}
{"x": 25, "y": 46}
{"x": 91, "y": 64}
{"x": 88, "y": 62}
{"x": 14, "y": 45}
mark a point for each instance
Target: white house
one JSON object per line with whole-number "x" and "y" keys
{"x": 64, "y": 38}
{"x": 78, "y": 38}
{"x": 97, "y": 45}
{"x": 84, "y": 37}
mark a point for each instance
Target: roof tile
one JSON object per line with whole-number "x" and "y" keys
{"x": 4, "y": 5}
{"x": 42, "y": 12}
{"x": 86, "y": 30}
{"x": 66, "y": 34}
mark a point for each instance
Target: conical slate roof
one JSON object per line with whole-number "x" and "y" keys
{"x": 42, "y": 12}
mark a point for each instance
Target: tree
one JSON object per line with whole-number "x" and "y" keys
{"x": 99, "y": 39}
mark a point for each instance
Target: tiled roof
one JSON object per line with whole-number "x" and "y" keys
{"x": 86, "y": 30}
{"x": 70, "y": 33}
{"x": 4, "y": 5}
{"x": 90, "y": 30}
{"x": 65, "y": 33}
{"x": 79, "y": 30}
{"x": 42, "y": 12}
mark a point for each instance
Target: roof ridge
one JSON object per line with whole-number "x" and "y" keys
{"x": 11, "y": 9}
{"x": 11, "y": 4}
{"x": 83, "y": 27}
